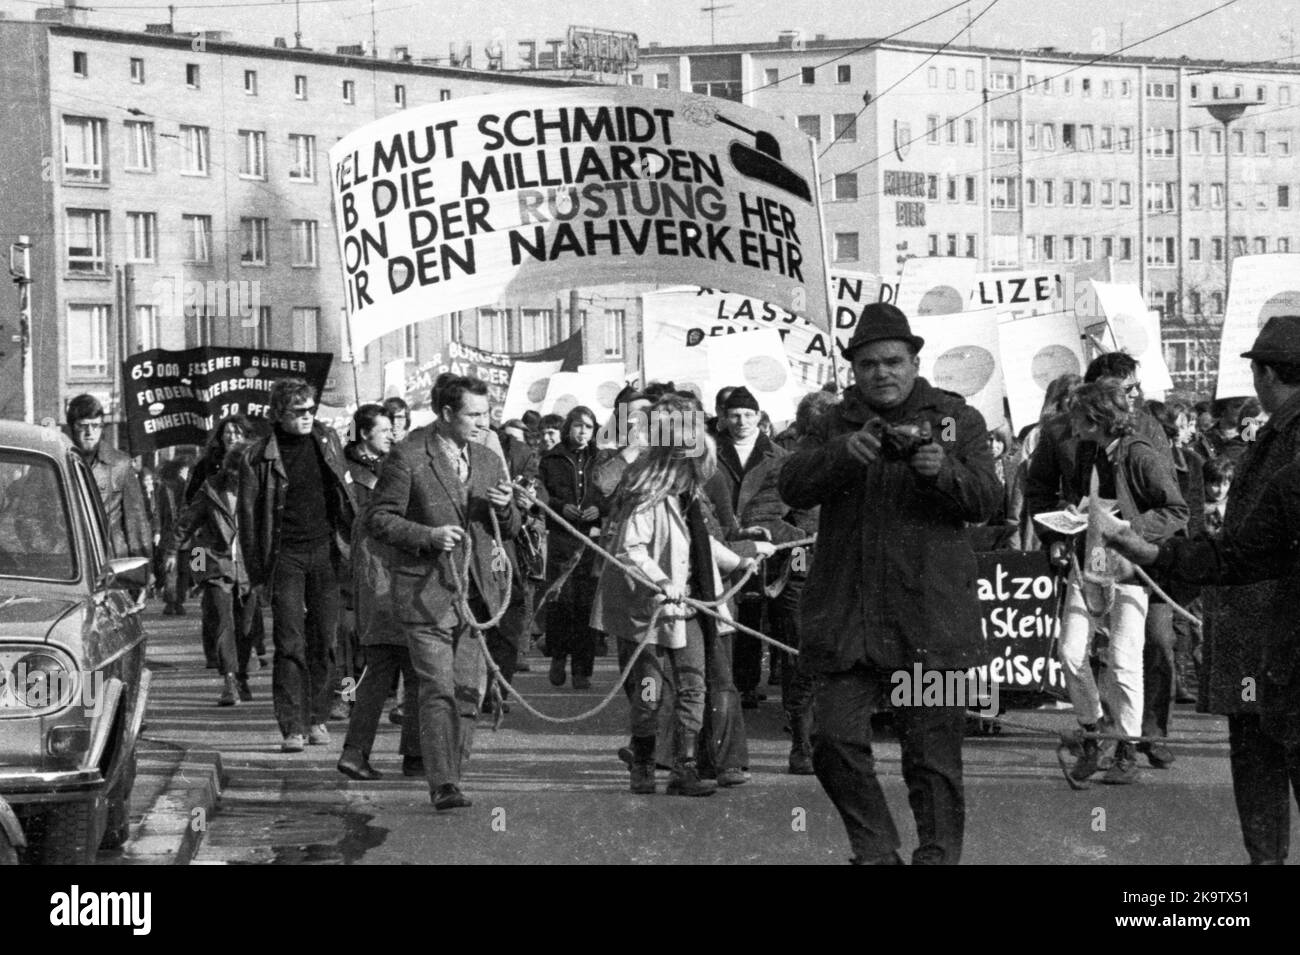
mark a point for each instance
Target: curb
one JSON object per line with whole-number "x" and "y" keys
{"x": 172, "y": 828}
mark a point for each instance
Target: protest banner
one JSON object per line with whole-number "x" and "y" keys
{"x": 1135, "y": 330}
{"x": 459, "y": 204}
{"x": 1037, "y": 350}
{"x": 1017, "y": 593}
{"x": 176, "y": 397}
{"x": 594, "y": 387}
{"x": 963, "y": 357}
{"x": 1262, "y": 286}
{"x": 497, "y": 369}
{"x": 935, "y": 285}
{"x": 1020, "y": 294}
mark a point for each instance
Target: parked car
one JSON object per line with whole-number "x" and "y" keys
{"x": 73, "y": 684}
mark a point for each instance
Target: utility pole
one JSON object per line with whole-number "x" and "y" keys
{"x": 1226, "y": 113}
{"x": 20, "y": 267}
{"x": 374, "y": 46}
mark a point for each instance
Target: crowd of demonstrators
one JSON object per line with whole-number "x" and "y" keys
{"x": 435, "y": 488}
{"x": 566, "y": 486}
{"x": 173, "y": 478}
{"x": 892, "y": 585}
{"x": 297, "y": 544}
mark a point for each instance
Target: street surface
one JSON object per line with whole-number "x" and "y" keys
{"x": 547, "y": 794}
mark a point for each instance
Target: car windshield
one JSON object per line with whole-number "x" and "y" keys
{"x": 35, "y": 535}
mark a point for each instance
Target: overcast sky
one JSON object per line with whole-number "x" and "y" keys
{"x": 1245, "y": 30}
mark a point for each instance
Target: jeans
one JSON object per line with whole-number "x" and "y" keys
{"x": 233, "y": 614}
{"x": 452, "y": 677}
{"x": 1121, "y": 679}
{"x": 723, "y": 744}
{"x": 1262, "y": 768}
{"x": 931, "y": 739}
{"x": 305, "y": 614}
{"x": 383, "y": 663}
{"x": 1158, "y": 670}
{"x": 568, "y": 628}
{"x": 682, "y": 669}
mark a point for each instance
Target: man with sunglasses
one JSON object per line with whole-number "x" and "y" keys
{"x": 295, "y": 521}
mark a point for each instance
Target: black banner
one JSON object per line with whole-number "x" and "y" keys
{"x": 176, "y": 397}
{"x": 1018, "y": 595}
{"x": 495, "y": 368}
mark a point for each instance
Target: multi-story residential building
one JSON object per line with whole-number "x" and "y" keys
{"x": 1097, "y": 165}
{"x": 140, "y": 162}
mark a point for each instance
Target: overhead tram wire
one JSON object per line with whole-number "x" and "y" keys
{"x": 1092, "y": 62}
{"x": 899, "y": 81}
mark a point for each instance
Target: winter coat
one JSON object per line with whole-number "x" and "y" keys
{"x": 1234, "y": 617}
{"x": 656, "y": 540}
{"x": 419, "y": 490}
{"x": 565, "y": 477}
{"x": 893, "y": 580}
{"x": 370, "y": 584}
{"x": 129, "y": 528}
{"x": 205, "y": 536}
{"x": 1261, "y": 549}
{"x": 263, "y": 486}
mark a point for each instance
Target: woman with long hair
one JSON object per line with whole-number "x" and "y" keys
{"x": 662, "y": 530}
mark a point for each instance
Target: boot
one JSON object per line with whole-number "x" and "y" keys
{"x": 1086, "y": 764}
{"x": 1124, "y": 770}
{"x": 801, "y": 763}
{"x": 685, "y": 779}
{"x": 642, "y": 766}
{"x": 229, "y": 691}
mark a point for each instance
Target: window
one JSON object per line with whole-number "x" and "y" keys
{"x": 1125, "y": 193}
{"x": 253, "y": 232}
{"x": 444, "y": 95}
{"x": 1106, "y": 192}
{"x": 1003, "y": 81}
{"x": 1031, "y": 84}
{"x": 1031, "y": 248}
{"x": 1284, "y": 197}
{"x": 1261, "y": 245}
{"x": 304, "y": 242}
{"x": 1005, "y": 250}
{"x": 811, "y": 126}
{"x": 83, "y": 148}
{"x": 970, "y": 131}
{"x": 1284, "y": 95}
{"x": 1049, "y": 248}
{"x": 196, "y": 150}
{"x": 1047, "y": 86}
{"x": 1049, "y": 192}
{"x": 846, "y": 246}
{"x": 1261, "y": 143}
{"x": 1160, "y": 142}
{"x": 1284, "y": 245}
{"x": 399, "y": 96}
{"x": 1107, "y": 88}
{"x": 306, "y": 330}
{"x": 1107, "y": 247}
{"x": 846, "y": 185}
{"x": 1162, "y": 250}
{"x": 1085, "y": 87}
{"x": 192, "y": 75}
{"x": 252, "y": 161}
{"x": 1261, "y": 93}
{"x": 88, "y": 341}
{"x": 1085, "y": 192}
{"x": 951, "y": 127}
{"x": 302, "y": 163}
{"x": 952, "y": 245}
{"x": 932, "y": 77}
{"x": 1194, "y": 195}
{"x": 148, "y": 328}
{"x": 1216, "y": 195}
{"x": 846, "y": 127}
{"x": 202, "y": 329}
{"x": 616, "y": 326}
{"x": 1194, "y": 252}
{"x": 1160, "y": 90}
{"x": 137, "y": 69}
{"x": 1067, "y": 248}
{"x": 932, "y": 187}
{"x": 1125, "y": 88}
{"x": 1031, "y": 136}
{"x": 1107, "y": 138}
{"x": 661, "y": 83}
{"x": 951, "y": 194}
{"x": 250, "y": 82}
{"x": 1049, "y": 137}
{"x": 143, "y": 235}
{"x": 198, "y": 238}
{"x": 1004, "y": 136}
{"x": 1085, "y": 248}
{"x": 952, "y": 79}
{"x": 1002, "y": 192}
{"x": 139, "y": 146}
{"x": 843, "y": 74}
{"x": 1283, "y": 142}
{"x": 1085, "y": 137}
{"x": 1194, "y": 91}
{"x": 259, "y": 336}
{"x": 638, "y": 79}
{"x": 1238, "y": 142}
{"x": 1031, "y": 192}
{"x": 87, "y": 237}
{"x": 1067, "y": 136}
{"x": 80, "y": 65}
{"x": 1160, "y": 196}
{"x": 1126, "y": 249}
{"x": 1126, "y": 139}
{"x": 1216, "y": 142}
{"x": 807, "y": 75}
{"x": 1216, "y": 250}
{"x": 933, "y": 245}
{"x": 932, "y": 129}
{"x": 299, "y": 86}
{"x": 970, "y": 79}
{"x": 350, "y": 92}
{"x": 771, "y": 76}
{"x": 1194, "y": 142}
{"x": 1067, "y": 192}
{"x": 1067, "y": 86}
{"x": 969, "y": 247}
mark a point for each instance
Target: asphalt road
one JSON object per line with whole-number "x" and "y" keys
{"x": 544, "y": 794}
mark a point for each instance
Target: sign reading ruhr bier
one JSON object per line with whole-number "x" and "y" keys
{"x": 602, "y": 51}
{"x": 899, "y": 183}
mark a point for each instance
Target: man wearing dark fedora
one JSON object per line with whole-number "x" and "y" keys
{"x": 899, "y": 468}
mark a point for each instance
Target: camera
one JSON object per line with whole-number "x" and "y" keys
{"x": 898, "y": 442}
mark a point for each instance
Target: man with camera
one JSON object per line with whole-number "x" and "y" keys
{"x": 899, "y": 468}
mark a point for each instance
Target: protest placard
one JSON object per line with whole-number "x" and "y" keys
{"x": 461, "y": 203}
{"x": 963, "y": 357}
{"x": 935, "y": 285}
{"x": 1262, "y": 286}
{"x": 495, "y": 368}
{"x": 1135, "y": 330}
{"x": 1036, "y": 351}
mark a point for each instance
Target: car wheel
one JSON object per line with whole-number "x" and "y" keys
{"x": 66, "y": 835}
{"x": 118, "y": 827}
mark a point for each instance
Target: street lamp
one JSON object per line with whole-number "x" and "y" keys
{"x": 1225, "y": 111}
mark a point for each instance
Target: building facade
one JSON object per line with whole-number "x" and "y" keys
{"x": 1100, "y": 166}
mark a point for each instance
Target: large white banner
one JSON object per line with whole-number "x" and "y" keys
{"x": 1262, "y": 286}
{"x": 1134, "y": 329}
{"x": 462, "y": 203}
{"x": 1036, "y": 351}
{"x": 936, "y": 285}
{"x": 963, "y": 357}
{"x": 1021, "y": 294}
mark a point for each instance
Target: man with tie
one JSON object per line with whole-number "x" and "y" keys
{"x": 435, "y": 499}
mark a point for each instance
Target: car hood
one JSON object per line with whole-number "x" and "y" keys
{"x": 30, "y": 618}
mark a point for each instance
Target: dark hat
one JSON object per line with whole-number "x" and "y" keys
{"x": 1278, "y": 341}
{"x": 629, "y": 394}
{"x": 740, "y": 398}
{"x": 881, "y": 321}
